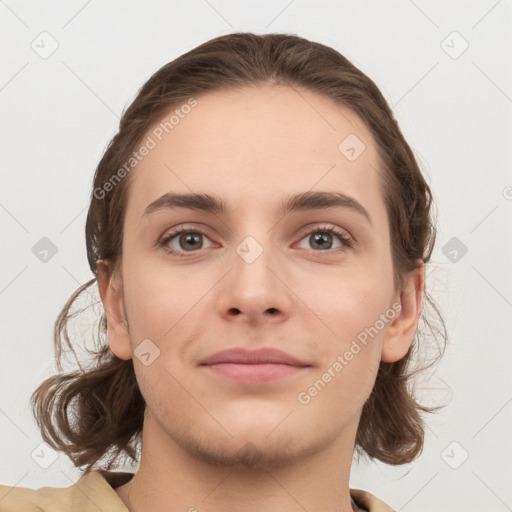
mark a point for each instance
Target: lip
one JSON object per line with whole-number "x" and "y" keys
{"x": 254, "y": 366}
{"x": 260, "y": 356}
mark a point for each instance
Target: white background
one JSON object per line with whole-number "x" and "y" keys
{"x": 59, "y": 113}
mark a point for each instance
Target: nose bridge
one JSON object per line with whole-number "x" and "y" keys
{"x": 250, "y": 249}
{"x": 252, "y": 263}
{"x": 252, "y": 287}
{"x": 256, "y": 249}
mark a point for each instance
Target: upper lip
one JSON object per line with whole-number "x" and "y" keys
{"x": 260, "y": 356}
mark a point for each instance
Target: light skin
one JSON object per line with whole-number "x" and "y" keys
{"x": 215, "y": 444}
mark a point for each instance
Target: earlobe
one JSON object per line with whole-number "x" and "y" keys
{"x": 401, "y": 331}
{"x": 111, "y": 295}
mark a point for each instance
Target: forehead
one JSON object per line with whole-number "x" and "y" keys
{"x": 253, "y": 144}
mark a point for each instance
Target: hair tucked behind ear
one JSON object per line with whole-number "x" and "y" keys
{"x": 95, "y": 415}
{"x": 105, "y": 403}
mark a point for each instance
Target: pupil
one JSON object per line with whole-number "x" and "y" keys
{"x": 190, "y": 237}
{"x": 319, "y": 237}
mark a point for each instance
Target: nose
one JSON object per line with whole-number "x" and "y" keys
{"x": 255, "y": 289}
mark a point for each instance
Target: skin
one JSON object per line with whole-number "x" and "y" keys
{"x": 208, "y": 442}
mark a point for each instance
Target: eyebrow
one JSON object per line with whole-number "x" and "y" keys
{"x": 303, "y": 201}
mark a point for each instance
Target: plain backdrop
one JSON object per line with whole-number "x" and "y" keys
{"x": 70, "y": 68}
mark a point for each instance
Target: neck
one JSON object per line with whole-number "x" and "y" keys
{"x": 171, "y": 478}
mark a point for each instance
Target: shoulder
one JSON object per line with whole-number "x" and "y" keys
{"x": 369, "y": 501}
{"x": 95, "y": 490}
{"x": 90, "y": 493}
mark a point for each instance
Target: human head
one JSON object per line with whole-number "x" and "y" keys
{"x": 390, "y": 427}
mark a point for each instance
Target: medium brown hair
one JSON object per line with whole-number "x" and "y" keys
{"x": 96, "y": 413}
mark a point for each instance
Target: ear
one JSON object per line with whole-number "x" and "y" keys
{"x": 401, "y": 330}
{"x": 110, "y": 289}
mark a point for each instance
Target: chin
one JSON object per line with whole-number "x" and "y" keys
{"x": 257, "y": 445}
{"x": 250, "y": 453}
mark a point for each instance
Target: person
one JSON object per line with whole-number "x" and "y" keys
{"x": 247, "y": 369}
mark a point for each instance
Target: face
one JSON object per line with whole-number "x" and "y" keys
{"x": 315, "y": 283}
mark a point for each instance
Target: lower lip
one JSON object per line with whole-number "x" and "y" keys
{"x": 255, "y": 373}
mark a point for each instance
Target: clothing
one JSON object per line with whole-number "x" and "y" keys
{"x": 95, "y": 491}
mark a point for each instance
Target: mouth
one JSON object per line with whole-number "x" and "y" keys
{"x": 255, "y": 373}
{"x": 258, "y": 366}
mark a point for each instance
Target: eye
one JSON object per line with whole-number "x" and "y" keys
{"x": 182, "y": 240}
{"x": 321, "y": 238}
{"x": 186, "y": 240}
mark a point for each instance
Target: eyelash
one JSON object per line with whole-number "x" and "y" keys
{"x": 348, "y": 241}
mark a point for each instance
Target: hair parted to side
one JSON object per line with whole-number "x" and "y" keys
{"x": 95, "y": 415}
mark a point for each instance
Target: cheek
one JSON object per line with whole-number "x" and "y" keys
{"x": 350, "y": 353}
{"x": 159, "y": 299}
{"x": 350, "y": 304}
{"x": 340, "y": 389}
